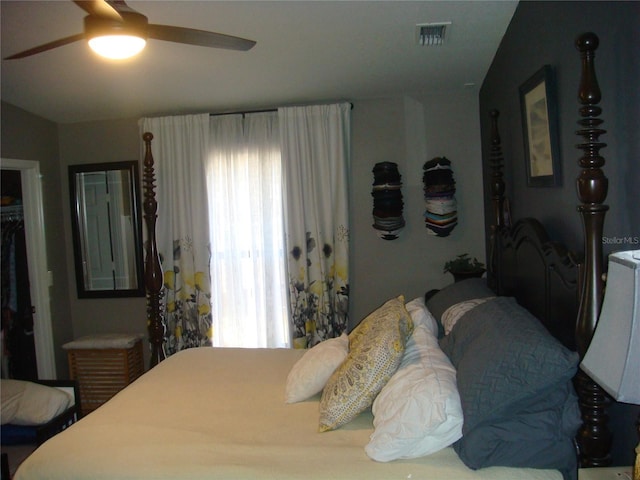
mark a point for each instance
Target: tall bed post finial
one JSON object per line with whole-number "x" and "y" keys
{"x": 496, "y": 162}
{"x": 592, "y": 188}
{"x": 594, "y": 437}
{"x": 153, "y": 277}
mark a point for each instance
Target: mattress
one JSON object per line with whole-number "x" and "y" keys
{"x": 219, "y": 413}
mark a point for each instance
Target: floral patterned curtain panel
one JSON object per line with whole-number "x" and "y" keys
{"x": 315, "y": 143}
{"x": 180, "y": 147}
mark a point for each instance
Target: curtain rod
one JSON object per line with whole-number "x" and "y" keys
{"x": 243, "y": 112}
{"x": 265, "y": 110}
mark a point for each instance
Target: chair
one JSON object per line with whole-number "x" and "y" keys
{"x": 19, "y": 441}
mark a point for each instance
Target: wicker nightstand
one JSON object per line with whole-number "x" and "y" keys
{"x": 104, "y": 365}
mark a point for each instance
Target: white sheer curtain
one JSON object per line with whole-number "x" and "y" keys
{"x": 244, "y": 181}
{"x": 180, "y": 147}
{"x": 315, "y": 143}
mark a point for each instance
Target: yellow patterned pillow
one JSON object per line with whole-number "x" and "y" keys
{"x": 376, "y": 347}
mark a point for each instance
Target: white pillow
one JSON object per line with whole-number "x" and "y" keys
{"x": 310, "y": 374}
{"x": 418, "y": 412}
{"x": 420, "y": 315}
{"x": 31, "y": 403}
{"x": 455, "y": 312}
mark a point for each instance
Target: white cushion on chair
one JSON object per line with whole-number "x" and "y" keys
{"x": 28, "y": 403}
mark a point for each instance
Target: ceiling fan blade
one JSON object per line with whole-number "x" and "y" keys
{"x": 120, "y": 6}
{"x": 202, "y": 38}
{"x": 47, "y": 46}
{"x": 99, "y": 8}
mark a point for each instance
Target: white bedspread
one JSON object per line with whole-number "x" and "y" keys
{"x": 212, "y": 413}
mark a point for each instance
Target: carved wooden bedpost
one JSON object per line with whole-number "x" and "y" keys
{"x": 497, "y": 196}
{"x": 153, "y": 278}
{"x": 594, "y": 437}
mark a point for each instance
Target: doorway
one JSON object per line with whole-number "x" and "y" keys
{"x": 35, "y": 248}
{"x": 18, "y": 348}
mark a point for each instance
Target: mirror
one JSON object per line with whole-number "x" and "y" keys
{"x": 107, "y": 232}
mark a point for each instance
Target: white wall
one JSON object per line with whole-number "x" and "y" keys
{"x": 97, "y": 142}
{"x": 410, "y": 130}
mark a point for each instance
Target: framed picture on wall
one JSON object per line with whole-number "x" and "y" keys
{"x": 540, "y": 129}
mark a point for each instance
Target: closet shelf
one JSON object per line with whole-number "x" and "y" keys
{"x": 12, "y": 212}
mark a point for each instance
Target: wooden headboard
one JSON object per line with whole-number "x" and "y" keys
{"x": 541, "y": 275}
{"x": 561, "y": 288}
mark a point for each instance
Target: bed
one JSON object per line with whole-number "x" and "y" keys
{"x": 474, "y": 381}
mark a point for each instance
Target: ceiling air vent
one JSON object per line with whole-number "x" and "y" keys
{"x": 431, "y": 34}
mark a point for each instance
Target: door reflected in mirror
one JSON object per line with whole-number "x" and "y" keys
{"x": 107, "y": 232}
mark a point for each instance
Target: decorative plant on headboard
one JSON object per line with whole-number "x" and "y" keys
{"x": 463, "y": 267}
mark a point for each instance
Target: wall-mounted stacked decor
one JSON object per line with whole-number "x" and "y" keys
{"x": 441, "y": 214}
{"x": 387, "y": 200}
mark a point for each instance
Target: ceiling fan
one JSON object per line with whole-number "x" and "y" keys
{"x": 108, "y": 19}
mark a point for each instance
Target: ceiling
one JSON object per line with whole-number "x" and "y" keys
{"x": 306, "y": 52}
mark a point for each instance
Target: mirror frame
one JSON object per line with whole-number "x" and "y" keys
{"x": 134, "y": 190}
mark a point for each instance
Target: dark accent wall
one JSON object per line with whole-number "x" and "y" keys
{"x": 544, "y": 33}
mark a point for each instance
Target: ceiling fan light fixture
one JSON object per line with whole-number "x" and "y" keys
{"x": 117, "y": 47}
{"x": 116, "y": 39}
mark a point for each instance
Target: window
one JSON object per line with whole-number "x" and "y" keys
{"x": 244, "y": 183}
